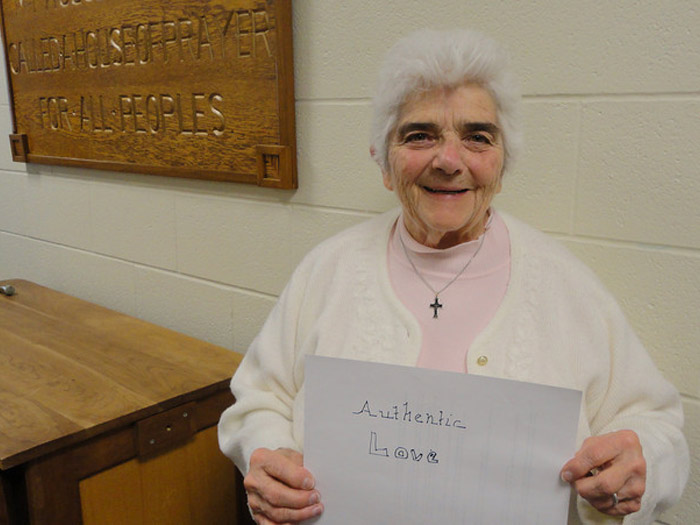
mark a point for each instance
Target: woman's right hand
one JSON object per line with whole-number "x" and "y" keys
{"x": 280, "y": 490}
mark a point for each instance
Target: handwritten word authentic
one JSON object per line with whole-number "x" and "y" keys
{"x": 402, "y": 413}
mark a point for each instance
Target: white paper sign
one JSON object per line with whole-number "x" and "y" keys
{"x": 391, "y": 444}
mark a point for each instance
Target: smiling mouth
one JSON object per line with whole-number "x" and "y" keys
{"x": 444, "y": 192}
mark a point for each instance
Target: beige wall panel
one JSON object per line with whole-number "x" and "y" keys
{"x": 58, "y": 210}
{"x": 134, "y": 222}
{"x": 639, "y": 178}
{"x": 605, "y": 47}
{"x": 13, "y": 186}
{"x": 102, "y": 280}
{"x": 333, "y": 155}
{"x": 237, "y": 242}
{"x": 248, "y": 244}
{"x": 177, "y": 185}
{"x": 310, "y": 226}
{"x": 10, "y": 255}
{"x": 92, "y": 277}
{"x": 541, "y": 186}
{"x": 192, "y": 306}
{"x": 687, "y": 511}
{"x": 558, "y": 47}
{"x": 659, "y": 291}
{"x": 37, "y": 261}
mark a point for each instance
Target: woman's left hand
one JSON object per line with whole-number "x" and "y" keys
{"x": 610, "y": 472}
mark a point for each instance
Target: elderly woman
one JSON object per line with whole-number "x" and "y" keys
{"x": 449, "y": 283}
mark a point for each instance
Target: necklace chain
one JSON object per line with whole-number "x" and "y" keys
{"x": 436, "y": 304}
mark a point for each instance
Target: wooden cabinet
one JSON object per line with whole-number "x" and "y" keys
{"x": 106, "y": 419}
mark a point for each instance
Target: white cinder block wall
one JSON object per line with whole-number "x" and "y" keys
{"x": 612, "y": 119}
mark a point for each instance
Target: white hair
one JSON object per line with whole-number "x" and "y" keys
{"x": 429, "y": 59}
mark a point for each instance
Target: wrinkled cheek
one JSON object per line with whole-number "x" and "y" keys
{"x": 409, "y": 198}
{"x": 487, "y": 169}
{"x": 483, "y": 198}
{"x": 494, "y": 187}
{"x": 491, "y": 184}
{"x": 407, "y": 193}
{"x": 486, "y": 195}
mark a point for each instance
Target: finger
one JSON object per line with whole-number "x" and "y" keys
{"x": 295, "y": 457}
{"x": 628, "y": 506}
{"x": 615, "y": 483}
{"x": 277, "y": 494}
{"x": 263, "y": 511}
{"x": 590, "y": 456}
{"x": 270, "y": 495}
{"x": 262, "y": 520}
{"x": 292, "y": 516}
{"x": 284, "y": 467}
{"x": 292, "y": 471}
{"x": 622, "y": 508}
{"x": 603, "y": 485}
{"x": 626, "y": 476}
{"x": 620, "y": 480}
{"x": 629, "y": 497}
{"x": 601, "y": 451}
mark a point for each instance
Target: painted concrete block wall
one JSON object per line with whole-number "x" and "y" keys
{"x": 612, "y": 122}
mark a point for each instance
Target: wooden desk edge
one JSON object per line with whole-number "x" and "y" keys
{"x": 219, "y": 390}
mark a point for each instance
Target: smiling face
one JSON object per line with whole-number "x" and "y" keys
{"x": 445, "y": 163}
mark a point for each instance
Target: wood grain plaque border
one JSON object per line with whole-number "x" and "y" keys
{"x": 201, "y": 90}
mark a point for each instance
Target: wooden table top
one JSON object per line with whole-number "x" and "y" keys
{"x": 70, "y": 370}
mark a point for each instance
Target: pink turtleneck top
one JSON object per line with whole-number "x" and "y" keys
{"x": 468, "y": 304}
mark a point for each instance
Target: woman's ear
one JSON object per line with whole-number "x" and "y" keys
{"x": 373, "y": 155}
{"x": 386, "y": 176}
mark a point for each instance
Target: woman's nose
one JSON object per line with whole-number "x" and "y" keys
{"x": 448, "y": 156}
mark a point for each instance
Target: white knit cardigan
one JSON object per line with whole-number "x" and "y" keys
{"x": 556, "y": 325}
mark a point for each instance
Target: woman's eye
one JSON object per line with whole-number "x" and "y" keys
{"x": 480, "y": 138}
{"x": 417, "y": 137}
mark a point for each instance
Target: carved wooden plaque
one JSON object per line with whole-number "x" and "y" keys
{"x": 201, "y": 89}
